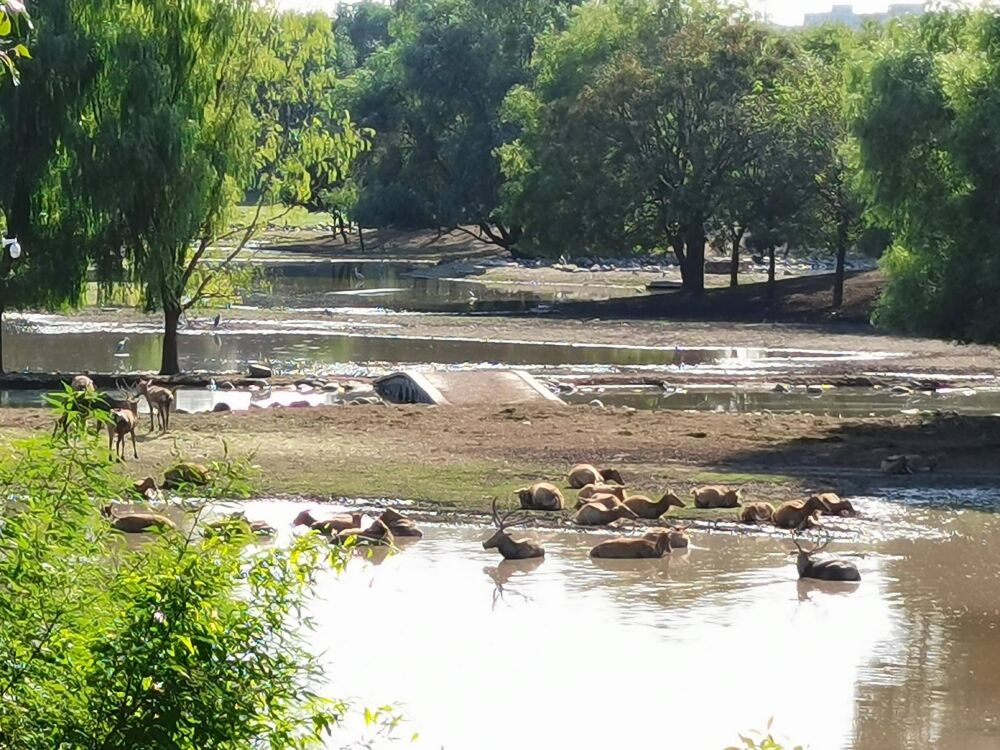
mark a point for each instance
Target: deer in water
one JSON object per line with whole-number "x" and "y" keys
{"x": 541, "y": 496}
{"x": 583, "y": 474}
{"x": 123, "y": 422}
{"x": 328, "y": 525}
{"x": 835, "y": 505}
{"x": 136, "y": 522}
{"x": 159, "y": 400}
{"x": 716, "y": 497}
{"x": 400, "y": 525}
{"x": 799, "y": 514}
{"x": 654, "y": 544}
{"x": 824, "y": 570}
{"x": 510, "y": 548}
{"x": 376, "y": 534}
{"x": 645, "y": 508}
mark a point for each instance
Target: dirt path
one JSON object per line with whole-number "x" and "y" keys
{"x": 462, "y": 457}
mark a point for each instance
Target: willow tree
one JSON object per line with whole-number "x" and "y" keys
{"x": 177, "y": 116}
{"x": 46, "y": 155}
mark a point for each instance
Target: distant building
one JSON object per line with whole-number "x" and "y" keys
{"x": 845, "y": 14}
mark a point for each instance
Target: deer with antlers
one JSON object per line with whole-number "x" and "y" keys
{"x": 510, "y": 548}
{"x": 831, "y": 569}
{"x": 159, "y": 400}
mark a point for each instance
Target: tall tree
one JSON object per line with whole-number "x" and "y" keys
{"x": 434, "y": 96}
{"x": 46, "y": 157}
{"x": 929, "y": 135}
{"x": 179, "y": 116}
{"x": 668, "y": 120}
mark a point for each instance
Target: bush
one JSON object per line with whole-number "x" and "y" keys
{"x": 181, "y": 642}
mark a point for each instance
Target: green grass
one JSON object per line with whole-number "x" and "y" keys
{"x": 280, "y": 216}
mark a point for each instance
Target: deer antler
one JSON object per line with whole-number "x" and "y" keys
{"x": 827, "y": 538}
{"x": 795, "y": 541}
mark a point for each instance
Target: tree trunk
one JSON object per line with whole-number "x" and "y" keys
{"x": 770, "y": 271}
{"x": 734, "y": 268}
{"x": 170, "y": 362}
{"x": 838, "y": 280}
{"x": 361, "y": 236}
{"x": 2, "y": 371}
{"x": 693, "y": 269}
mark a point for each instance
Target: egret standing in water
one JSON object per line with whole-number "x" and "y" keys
{"x": 120, "y": 346}
{"x": 359, "y": 278}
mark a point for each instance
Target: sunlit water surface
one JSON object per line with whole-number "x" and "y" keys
{"x": 685, "y": 652}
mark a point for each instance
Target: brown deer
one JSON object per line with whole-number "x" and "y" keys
{"x": 123, "y": 422}
{"x": 159, "y": 400}
{"x": 824, "y": 570}
{"x": 595, "y": 514}
{"x": 510, "y": 548}
{"x": 757, "y": 513}
{"x": 652, "y": 545}
{"x": 136, "y": 522}
{"x": 87, "y": 401}
{"x": 605, "y": 501}
{"x": 643, "y": 507}
{"x": 541, "y": 496}
{"x": 799, "y": 514}
{"x": 400, "y": 525}
{"x": 376, "y": 534}
{"x": 583, "y": 474}
{"x": 716, "y": 497}
{"x": 328, "y": 525}
{"x": 677, "y": 535}
{"x": 835, "y": 505}
{"x": 593, "y": 490}
{"x": 238, "y": 523}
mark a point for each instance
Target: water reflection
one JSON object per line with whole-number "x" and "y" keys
{"x": 719, "y": 639}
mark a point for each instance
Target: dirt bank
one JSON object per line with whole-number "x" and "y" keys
{"x": 462, "y": 457}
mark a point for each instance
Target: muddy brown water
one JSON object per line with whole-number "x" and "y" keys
{"x": 684, "y": 652}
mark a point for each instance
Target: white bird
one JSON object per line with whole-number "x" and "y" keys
{"x": 358, "y": 276}
{"x": 211, "y": 385}
{"x": 120, "y": 346}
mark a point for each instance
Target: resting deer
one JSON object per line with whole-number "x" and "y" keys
{"x": 583, "y": 474}
{"x": 238, "y": 523}
{"x": 799, "y": 514}
{"x": 757, "y": 513}
{"x": 605, "y": 501}
{"x": 824, "y": 570}
{"x": 159, "y": 400}
{"x": 835, "y": 505}
{"x": 510, "y": 548}
{"x": 123, "y": 422}
{"x": 716, "y": 497}
{"x": 136, "y": 522}
{"x": 328, "y": 525}
{"x": 400, "y": 525}
{"x": 595, "y": 514}
{"x": 541, "y": 496}
{"x": 593, "y": 490}
{"x": 643, "y": 507}
{"x": 377, "y": 534}
{"x": 652, "y": 545}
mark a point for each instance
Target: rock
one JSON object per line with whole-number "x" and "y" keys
{"x": 146, "y": 488}
{"x": 220, "y": 407}
{"x": 894, "y": 465}
{"x": 186, "y": 473}
{"x": 901, "y": 390}
{"x": 781, "y": 388}
{"x": 597, "y": 404}
{"x": 331, "y": 387}
{"x": 258, "y": 370}
{"x": 917, "y": 464}
{"x": 299, "y": 405}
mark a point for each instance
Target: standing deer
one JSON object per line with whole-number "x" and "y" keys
{"x": 511, "y": 549}
{"x": 159, "y": 400}
{"x": 123, "y": 422}
{"x": 824, "y": 570}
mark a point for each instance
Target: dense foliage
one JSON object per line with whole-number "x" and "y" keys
{"x": 548, "y": 128}
{"x": 179, "y": 642}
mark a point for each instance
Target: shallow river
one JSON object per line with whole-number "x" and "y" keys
{"x": 685, "y": 652}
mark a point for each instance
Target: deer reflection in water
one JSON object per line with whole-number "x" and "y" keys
{"x": 502, "y": 573}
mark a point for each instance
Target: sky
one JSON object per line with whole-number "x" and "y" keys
{"x": 787, "y": 12}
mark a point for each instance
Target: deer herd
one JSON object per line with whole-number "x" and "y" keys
{"x": 120, "y": 416}
{"x": 602, "y": 500}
